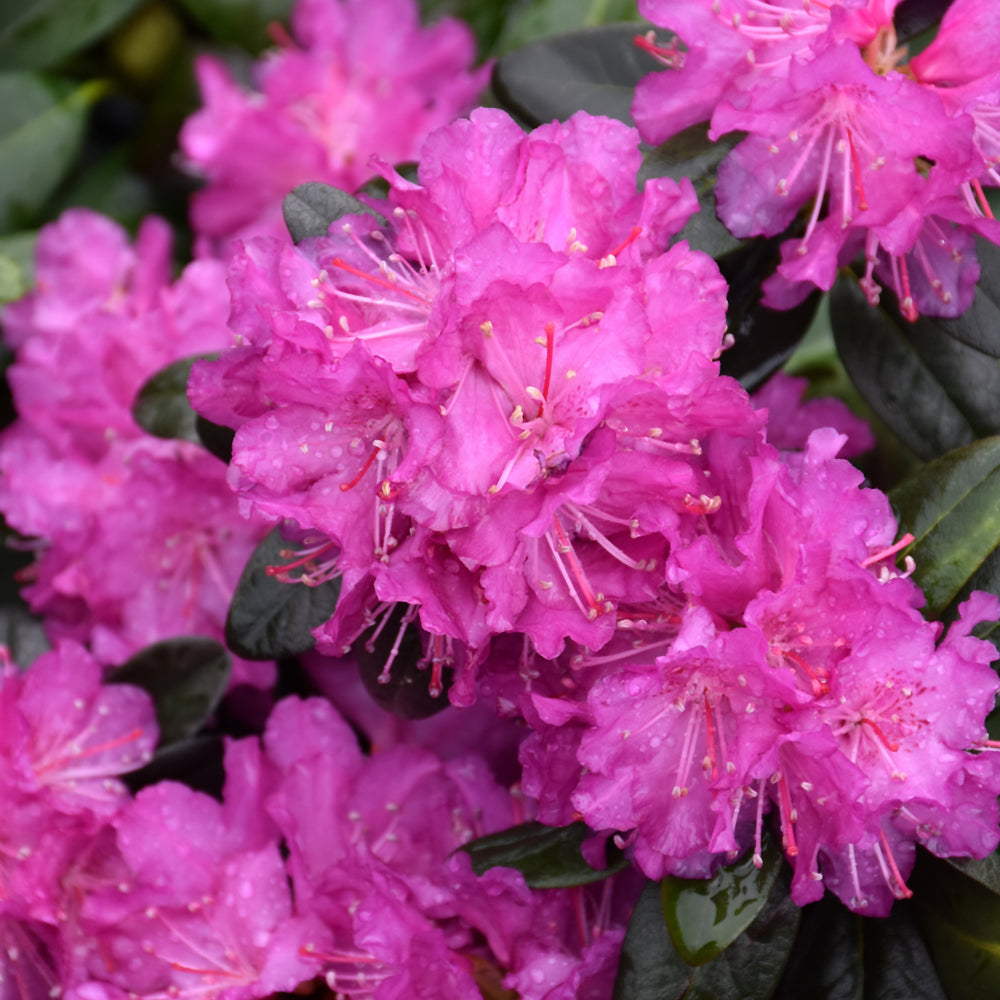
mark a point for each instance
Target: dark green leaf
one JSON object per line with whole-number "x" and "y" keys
{"x": 960, "y": 919}
{"x": 979, "y": 325}
{"x": 705, "y": 916}
{"x": 41, "y": 125}
{"x": 195, "y": 762}
{"x": 309, "y": 209}
{"x": 897, "y": 964}
{"x": 36, "y": 34}
{"x": 161, "y": 406}
{"x": 22, "y": 634}
{"x": 240, "y": 22}
{"x": 827, "y": 958}
{"x": 405, "y": 690}
{"x": 933, "y": 391}
{"x": 529, "y": 21}
{"x": 985, "y": 871}
{"x": 186, "y": 677}
{"x": 20, "y": 248}
{"x": 549, "y": 857}
{"x": 749, "y": 969}
{"x": 763, "y": 339}
{"x": 753, "y": 965}
{"x": 952, "y": 507}
{"x": 914, "y": 16}
{"x": 485, "y": 17}
{"x": 693, "y": 155}
{"x": 649, "y": 968}
{"x": 591, "y": 69}
{"x": 216, "y": 438}
{"x": 269, "y": 619}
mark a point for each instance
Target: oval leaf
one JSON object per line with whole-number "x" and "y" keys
{"x": 979, "y": 325}
{"x": 161, "y": 406}
{"x": 215, "y": 438}
{"x": 705, "y": 916}
{"x": 186, "y": 678}
{"x": 933, "y": 391}
{"x": 269, "y": 619}
{"x": 22, "y": 634}
{"x": 952, "y": 508}
{"x": 197, "y": 762}
{"x": 404, "y": 689}
{"x": 311, "y": 208}
{"x": 549, "y": 857}
{"x": 41, "y": 126}
{"x": 36, "y": 34}
{"x": 590, "y": 69}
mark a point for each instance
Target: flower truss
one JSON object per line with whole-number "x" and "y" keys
{"x": 486, "y": 409}
{"x": 892, "y": 155}
{"x": 497, "y": 402}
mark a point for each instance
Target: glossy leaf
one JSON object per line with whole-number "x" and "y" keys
{"x": 41, "y": 126}
{"x": 196, "y": 762}
{"x": 161, "y": 406}
{"x": 311, "y": 208}
{"x": 186, "y": 677}
{"x": 915, "y": 16}
{"x": 37, "y": 34}
{"x": 549, "y": 857}
{"x": 960, "y": 920}
{"x": 591, "y": 69}
{"x": 763, "y": 339}
{"x": 897, "y": 962}
{"x": 985, "y": 871}
{"x": 240, "y": 22}
{"x": 527, "y": 22}
{"x": 952, "y": 507}
{"x": 215, "y": 438}
{"x": 693, "y": 155}
{"x": 705, "y": 916}
{"x": 749, "y": 969}
{"x": 935, "y": 392}
{"x": 269, "y": 619}
{"x": 405, "y": 690}
{"x": 827, "y": 959}
{"x": 979, "y": 325}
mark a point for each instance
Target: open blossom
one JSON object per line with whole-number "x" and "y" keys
{"x": 137, "y": 539}
{"x": 888, "y": 161}
{"x": 356, "y": 78}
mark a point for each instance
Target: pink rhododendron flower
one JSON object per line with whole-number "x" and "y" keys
{"x": 357, "y": 78}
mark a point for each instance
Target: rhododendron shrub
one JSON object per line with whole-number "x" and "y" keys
{"x": 459, "y": 583}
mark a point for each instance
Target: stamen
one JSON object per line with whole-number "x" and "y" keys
{"x": 344, "y": 487}
{"x": 901, "y": 890}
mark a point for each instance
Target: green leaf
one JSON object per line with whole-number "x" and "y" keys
{"x": 240, "y": 22}
{"x": 41, "y": 126}
{"x": 310, "y": 209}
{"x": 952, "y": 508}
{"x": 13, "y": 283}
{"x": 37, "y": 34}
{"x": 591, "y": 69}
{"x": 705, "y": 916}
{"x": 215, "y": 438}
{"x": 749, "y": 969}
{"x": 528, "y": 22}
{"x": 486, "y": 17}
{"x": 897, "y": 963}
{"x": 960, "y": 920}
{"x": 827, "y": 959}
{"x": 268, "y": 619}
{"x": 405, "y": 689}
{"x": 196, "y": 762}
{"x": 161, "y": 406}
{"x": 186, "y": 677}
{"x": 979, "y": 325}
{"x": 549, "y": 857}
{"x": 935, "y": 392}
{"x": 22, "y": 634}
{"x": 985, "y": 871}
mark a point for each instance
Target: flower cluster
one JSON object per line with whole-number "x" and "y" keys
{"x": 494, "y": 400}
{"x": 173, "y": 893}
{"x": 136, "y": 539}
{"x": 355, "y": 77}
{"x": 892, "y": 155}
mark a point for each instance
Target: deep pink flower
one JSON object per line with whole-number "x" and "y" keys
{"x": 359, "y": 77}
